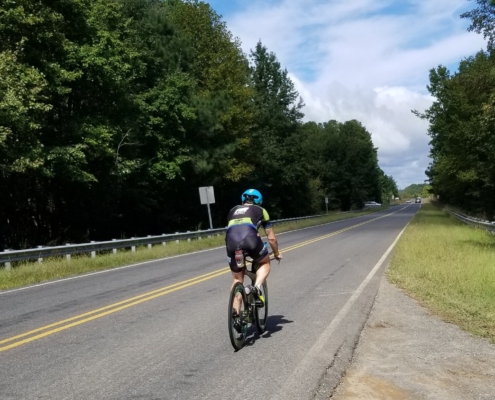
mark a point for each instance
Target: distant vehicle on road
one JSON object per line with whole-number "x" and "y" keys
{"x": 418, "y": 200}
{"x": 408, "y": 201}
{"x": 372, "y": 204}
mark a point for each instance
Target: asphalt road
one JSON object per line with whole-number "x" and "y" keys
{"x": 158, "y": 330}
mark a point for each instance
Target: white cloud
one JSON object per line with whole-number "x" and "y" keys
{"x": 364, "y": 59}
{"x": 386, "y": 113}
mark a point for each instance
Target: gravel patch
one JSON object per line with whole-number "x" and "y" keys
{"x": 406, "y": 353}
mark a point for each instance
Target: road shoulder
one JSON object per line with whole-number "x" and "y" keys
{"x": 407, "y": 353}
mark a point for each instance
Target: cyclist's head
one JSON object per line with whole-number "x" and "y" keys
{"x": 252, "y": 196}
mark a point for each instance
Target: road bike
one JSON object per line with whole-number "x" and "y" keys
{"x": 251, "y": 312}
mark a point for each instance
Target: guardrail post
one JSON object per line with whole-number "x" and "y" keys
{"x": 164, "y": 243}
{"x": 114, "y": 251}
{"x": 133, "y": 248}
{"x": 177, "y": 241}
{"x": 188, "y": 239}
{"x": 67, "y": 255}
{"x": 8, "y": 266}
{"x": 93, "y": 253}
{"x": 149, "y": 244}
{"x": 40, "y": 259}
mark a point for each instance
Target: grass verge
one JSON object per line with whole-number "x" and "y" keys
{"x": 31, "y": 272}
{"x": 449, "y": 267}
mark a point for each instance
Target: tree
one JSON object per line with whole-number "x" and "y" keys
{"x": 461, "y": 128}
{"x": 389, "y": 188}
{"x": 344, "y": 159}
{"x": 483, "y": 20}
{"x": 224, "y": 114}
{"x": 275, "y": 137}
{"x": 113, "y": 112}
{"x": 416, "y": 190}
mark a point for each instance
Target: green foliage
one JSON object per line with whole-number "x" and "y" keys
{"x": 343, "y": 156}
{"x": 462, "y": 124}
{"x": 462, "y": 132}
{"x": 416, "y": 190}
{"x": 483, "y": 20}
{"x": 114, "y": 112}
{"x": 278, "y": 169}
{"x": 389, "y": 188}
{"x": 222, "y": 100}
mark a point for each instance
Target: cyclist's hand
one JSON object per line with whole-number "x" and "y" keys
{"x": 278, "y": 257}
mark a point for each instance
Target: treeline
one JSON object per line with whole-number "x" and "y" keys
{"x": 114, "y": 112}
{"x": 462, "y": 124}
{"x": 416, "y": 190}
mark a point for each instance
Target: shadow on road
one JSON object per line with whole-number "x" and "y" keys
{"x": 274, "y": 324}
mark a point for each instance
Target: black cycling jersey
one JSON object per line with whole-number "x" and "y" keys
{"x": 242, "y": 233}
{"x": 249, "y": 214}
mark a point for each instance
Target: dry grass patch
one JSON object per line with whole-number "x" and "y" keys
{"x": 449, "y": 267}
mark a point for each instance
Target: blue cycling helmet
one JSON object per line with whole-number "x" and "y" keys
{"x": 254, "y": 195}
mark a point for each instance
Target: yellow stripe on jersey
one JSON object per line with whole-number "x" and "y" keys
{"x": 239, "y": 221}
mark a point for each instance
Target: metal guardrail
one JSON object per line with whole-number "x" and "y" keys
{"x": 9, "y": 256}
{"x": 490, "y": 226}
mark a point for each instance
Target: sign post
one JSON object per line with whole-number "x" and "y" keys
{"x": 326, "y": 203}
{"x": 207, "y": 196}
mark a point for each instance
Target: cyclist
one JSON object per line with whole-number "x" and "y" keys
{"x": 242, "y": 236}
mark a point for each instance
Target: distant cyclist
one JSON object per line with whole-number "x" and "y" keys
{"x": 242, "y": 234}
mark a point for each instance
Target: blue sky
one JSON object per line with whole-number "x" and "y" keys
{"x": 362, "y": 59}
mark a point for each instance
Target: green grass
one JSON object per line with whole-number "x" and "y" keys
{"x": 55, "y": 268}
{"x": 449, "y": 267}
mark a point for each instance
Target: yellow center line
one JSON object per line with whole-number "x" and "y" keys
{"x": 122, "y": 305}
{"x": 82, "y": 321}
{"x": 336, "y": 232}
{"x": 109, "y": 306}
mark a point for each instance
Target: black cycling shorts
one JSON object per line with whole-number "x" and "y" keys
{"x": 245, "y": 238}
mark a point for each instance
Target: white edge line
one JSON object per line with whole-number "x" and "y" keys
{"x": 340, "y": 316}
{"x": 325, "y": 336}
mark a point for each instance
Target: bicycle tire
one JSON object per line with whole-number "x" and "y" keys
{"x": 261, "y": 314}
{"x": 237, "y": 338}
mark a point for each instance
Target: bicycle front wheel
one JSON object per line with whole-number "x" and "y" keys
{"x": 236, "y": 317}
{"x": 261, "y": 313}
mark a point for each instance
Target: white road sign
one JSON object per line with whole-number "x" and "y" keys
{"x": 207, "y": 195}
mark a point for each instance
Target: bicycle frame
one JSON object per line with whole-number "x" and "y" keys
{"x": 251, "y": 312}
{"x": 251, "y": 273}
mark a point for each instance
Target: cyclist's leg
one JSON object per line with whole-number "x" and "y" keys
{"x": 237, "y": 277}
{"x": 259, "y": 253}
{"x": 232, "y": 243}
{"x": 263, "y": 271}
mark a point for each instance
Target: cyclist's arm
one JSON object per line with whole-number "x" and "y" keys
{"x": 272, "y": 239}
{"x": 270, "y": 234}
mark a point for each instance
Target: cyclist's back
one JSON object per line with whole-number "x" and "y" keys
{"x": 242, "y": 232}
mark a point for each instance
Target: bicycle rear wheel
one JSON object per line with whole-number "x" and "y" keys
{"x": 261, "y": 313}
{"x": 237, "y": 321}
